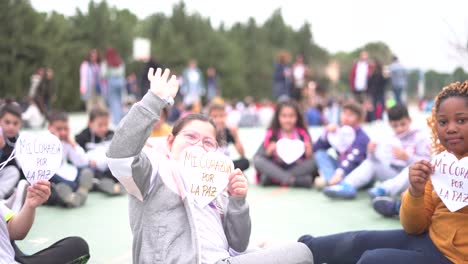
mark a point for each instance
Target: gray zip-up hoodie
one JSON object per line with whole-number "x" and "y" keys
{"x": 160, "y": 213}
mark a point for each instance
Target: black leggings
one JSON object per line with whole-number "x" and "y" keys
{"x": 365, "y": 247}
{"x": 70, "y": 250}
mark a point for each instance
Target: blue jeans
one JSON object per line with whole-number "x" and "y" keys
{"x": 397, "y": 91}
{"x": 57, "y": 179}
{"x": 73, "y": 184}
{"x": 366, "y": 247}
{"x": 325, "y": 163}
{"x": 115, "y": 87}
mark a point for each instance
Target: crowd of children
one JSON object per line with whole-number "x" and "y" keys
{"x": 342, "y": 160}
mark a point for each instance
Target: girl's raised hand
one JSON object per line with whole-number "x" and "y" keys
{"x": 419, "y": 173}
{"x": 237, "y": 186}
{"x": 161, "y": 85}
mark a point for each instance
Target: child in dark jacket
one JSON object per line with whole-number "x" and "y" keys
{"x": 94, "y": 140}
{"x": 349, "y": 154}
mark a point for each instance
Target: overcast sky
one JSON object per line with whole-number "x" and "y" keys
{"x": 419, "y": 32}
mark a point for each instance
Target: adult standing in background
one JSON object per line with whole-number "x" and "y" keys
{"x": 282, "y": 75}
{"x": 192, "y": 85}
{"x": 46, "y": 91}
{"x": 36, "y": 79}
{"x": 212, "y": 85}
{"x": 299, "y": 72}
{"x": 377, "y": 83}
{"x": 398, "y": 79}
{"x": 359, "y": 76}
{"x": 113, "y": 73}
{"x": 90, "y": 81}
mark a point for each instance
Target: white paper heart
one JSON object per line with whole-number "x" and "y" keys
{"x": 205, "y": 174}
{"x": 40, "y": 155}
{"x": 450, "y": 180}
{"x": 342, "y": 138}
{"x": 290, "y": 150}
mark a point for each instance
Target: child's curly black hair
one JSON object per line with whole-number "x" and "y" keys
{"x": 456, "y": 89}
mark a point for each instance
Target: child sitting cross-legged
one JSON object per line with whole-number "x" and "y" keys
{"x": 413, "y": 145}
{"x": 217, "y": 113}
{"x": 167, "y": 225}
{"x": 287, "y": 124}
{"x": 333, "y": 170}
{"x": 432, "y": 233}
{"x": 73, "y": 180}
{"x": 94, "y": 140}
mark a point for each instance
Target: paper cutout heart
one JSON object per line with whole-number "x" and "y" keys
{"x": 450, "y": 180}
{"x": 205, "y": 174}
{"x": 290, "y": 150}
{"x": 40, "y": 155}
{"x": 342, "y": 138}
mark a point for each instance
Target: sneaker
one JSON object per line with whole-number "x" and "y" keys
{"x": 340, "y": 191}
{"x": 386, "y": 206}
{"x": 376, "y": 192}
{"x": 67, "y": 197}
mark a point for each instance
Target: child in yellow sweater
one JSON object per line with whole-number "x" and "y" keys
{"x": 432, "y": 233}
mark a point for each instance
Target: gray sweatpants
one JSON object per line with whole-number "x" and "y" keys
{"x": 268, "y": 167}
{"x": 9, "y": 177}
{"x": 290, "y": 253}
{"x": 393, "y": 180}
{"x": 368, "y": 171}
{"x": 398, "y": 184}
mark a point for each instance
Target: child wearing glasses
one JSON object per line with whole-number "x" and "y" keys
{"x": 167, "y": 226}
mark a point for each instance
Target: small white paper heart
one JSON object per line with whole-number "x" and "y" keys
{"x": 450, "y": 180}
{"x": 290, "y": 150}
{"x": 40, "y": 155}
{"x": 342, "y": 138}
{"x": 205, "y": 174}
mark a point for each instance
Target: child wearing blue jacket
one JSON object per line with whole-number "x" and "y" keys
{"x": 333, "y": 170}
